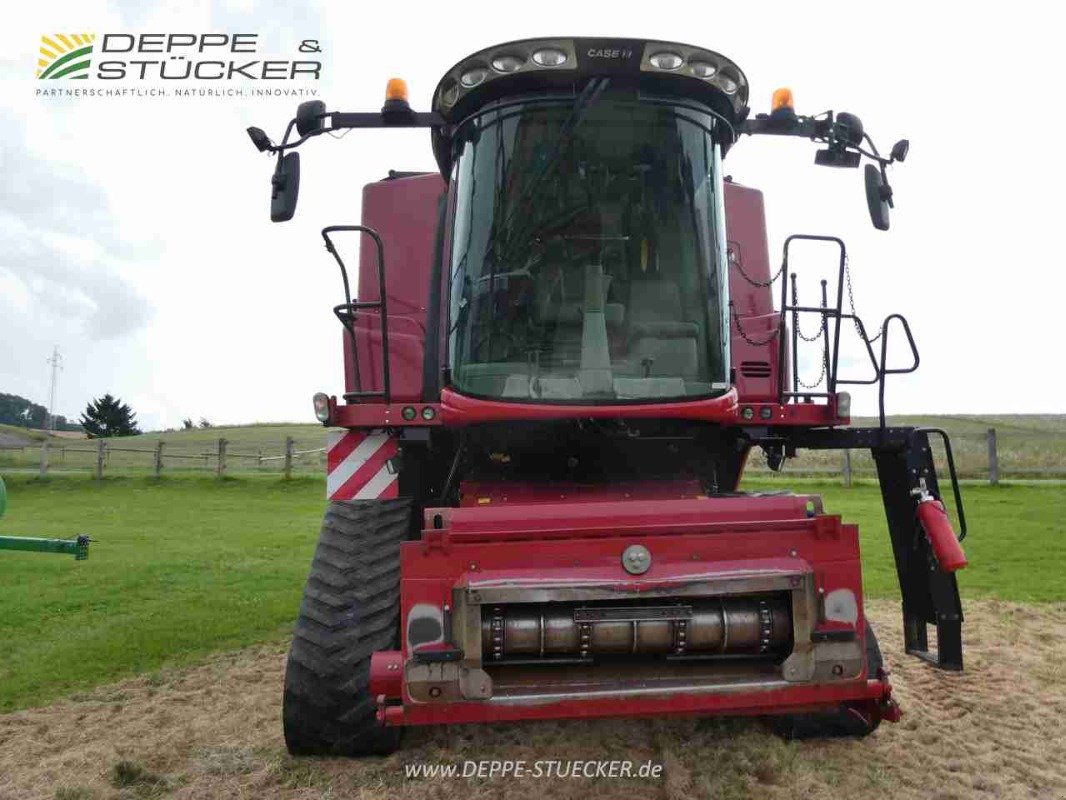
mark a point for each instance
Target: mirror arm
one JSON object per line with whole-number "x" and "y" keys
{"x": 346, "y": 120}
{"x": 805, "y": 127}
{"x": 815, "y": 129}
{"x": 341, "y": 120}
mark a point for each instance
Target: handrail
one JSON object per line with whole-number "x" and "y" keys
{"x": 346, "y": 312}
{"x": 951, "y": 471}
{"x": 832, "y": 356}
{"x": 884, "y": 371}
{"x": 861, "y": 330}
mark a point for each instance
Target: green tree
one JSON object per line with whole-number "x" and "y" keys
{"x": 109, "y": 416}
{"x": 16, "y": 410}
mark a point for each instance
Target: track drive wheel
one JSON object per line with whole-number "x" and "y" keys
{"x": 849, "y": 719}
{"x": 350, "y": 609}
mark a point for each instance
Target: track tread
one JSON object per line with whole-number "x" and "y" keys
{"x": 350, "y": 609}
{"x": 842, "y": 722}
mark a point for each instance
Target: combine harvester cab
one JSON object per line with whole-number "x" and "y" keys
{"x": 562, "y": 349}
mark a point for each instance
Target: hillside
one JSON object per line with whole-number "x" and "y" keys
{"x": 1029, "y": 446}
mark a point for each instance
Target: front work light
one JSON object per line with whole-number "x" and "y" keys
{"x": 666, "y": 60}
{"x": 550, "y": 57}
{"x": 843, "y": 404}
{"x": 321, "y": 404}
{"x": 507, "y": 63}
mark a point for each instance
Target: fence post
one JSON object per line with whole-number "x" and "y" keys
{"x": 288, "y": 457}
{"x": 221, "y": 467}
{"x": 847, "y": 468}
{"x": 993, "y": 458}
{"x": 159, "y": 458}
{"x": 101, "y": 454}
{"x": 44, "y": 458}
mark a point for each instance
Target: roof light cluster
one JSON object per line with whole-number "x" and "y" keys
{"x": 507, "y": 59}
{"x": 567, "y": 58}
{"x": 716, "y": 69}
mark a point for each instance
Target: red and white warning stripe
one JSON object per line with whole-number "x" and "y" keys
{"x": 357, "y": 465}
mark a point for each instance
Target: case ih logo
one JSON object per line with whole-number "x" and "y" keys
{"x": 65, "y": 55}
{"x": 614, "y": 53}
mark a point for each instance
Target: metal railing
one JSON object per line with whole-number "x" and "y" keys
{"x": 831, "y": 353}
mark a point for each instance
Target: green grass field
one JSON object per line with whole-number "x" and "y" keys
{"x": 185, "y": 566}
{"x": 178, "y": 568}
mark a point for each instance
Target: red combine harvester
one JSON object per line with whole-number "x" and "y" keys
{"x": 564, "y": 348}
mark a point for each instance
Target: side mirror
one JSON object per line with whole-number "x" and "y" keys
{"x": 309, "y": 116}
{"x": 285, "y": 188}
{"x": 259, "y": 139}
{"x": 900, "y": 150}
{"x": 878, "y": 197}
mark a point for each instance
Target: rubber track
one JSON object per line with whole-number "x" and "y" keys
{"x": 350, "y": 609}
{"x": 842, "y": 722}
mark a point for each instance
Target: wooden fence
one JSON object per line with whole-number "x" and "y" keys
{"x": 219, "y": 459}
{"x": 989, "y": 456}
{"x": 992, "y": 456}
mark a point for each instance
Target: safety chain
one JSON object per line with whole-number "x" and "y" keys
{"x": 818, "y": 381}
{"x": 851, "y": 301}
{"x": 799, "y": 329}
{"x": 796, "y": 317}
{"x": 736, "y": 320}
{"x": 804, "y": 337}
{"x": 734, "y": 259}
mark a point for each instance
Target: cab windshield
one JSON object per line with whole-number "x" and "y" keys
{"x": 587, "y": 254}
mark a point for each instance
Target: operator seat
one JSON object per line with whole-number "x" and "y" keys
{"x": 559, "y": 305}
{"x": 662, "y": 343}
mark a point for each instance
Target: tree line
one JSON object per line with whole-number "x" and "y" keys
{"x": 103, "y": 417}
{"x": 22, "y": 413}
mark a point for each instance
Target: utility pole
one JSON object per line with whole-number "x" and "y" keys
{"x": 57, "y": 364}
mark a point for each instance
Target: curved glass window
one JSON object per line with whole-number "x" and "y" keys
{"x": 587, "y": 256}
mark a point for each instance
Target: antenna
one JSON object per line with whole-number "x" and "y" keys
{"x": 57, "y": 364}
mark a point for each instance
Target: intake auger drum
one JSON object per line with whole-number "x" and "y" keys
{"x": 727, "y": 626}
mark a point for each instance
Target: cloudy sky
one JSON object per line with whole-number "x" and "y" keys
{"x": 134, "y": 232}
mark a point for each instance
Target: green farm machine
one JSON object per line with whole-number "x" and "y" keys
{"x": 78, "y": 546}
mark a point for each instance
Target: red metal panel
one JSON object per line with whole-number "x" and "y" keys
{"x": 404, "y": 213}
{"x": 648, "y": 517}
{"x": 751, "y": 296}
{"x": 483, "y": 493}
{"x": 796, "y": 414}
{"x": 458, "y": 409}
{"x": 515, "y": 549}
{"x": 749, "y": 263}
{"x": 376, "y": 415}
{"x": 485, "y": 546}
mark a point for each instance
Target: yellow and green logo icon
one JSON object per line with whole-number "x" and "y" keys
{"x": 65, "y": 55}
